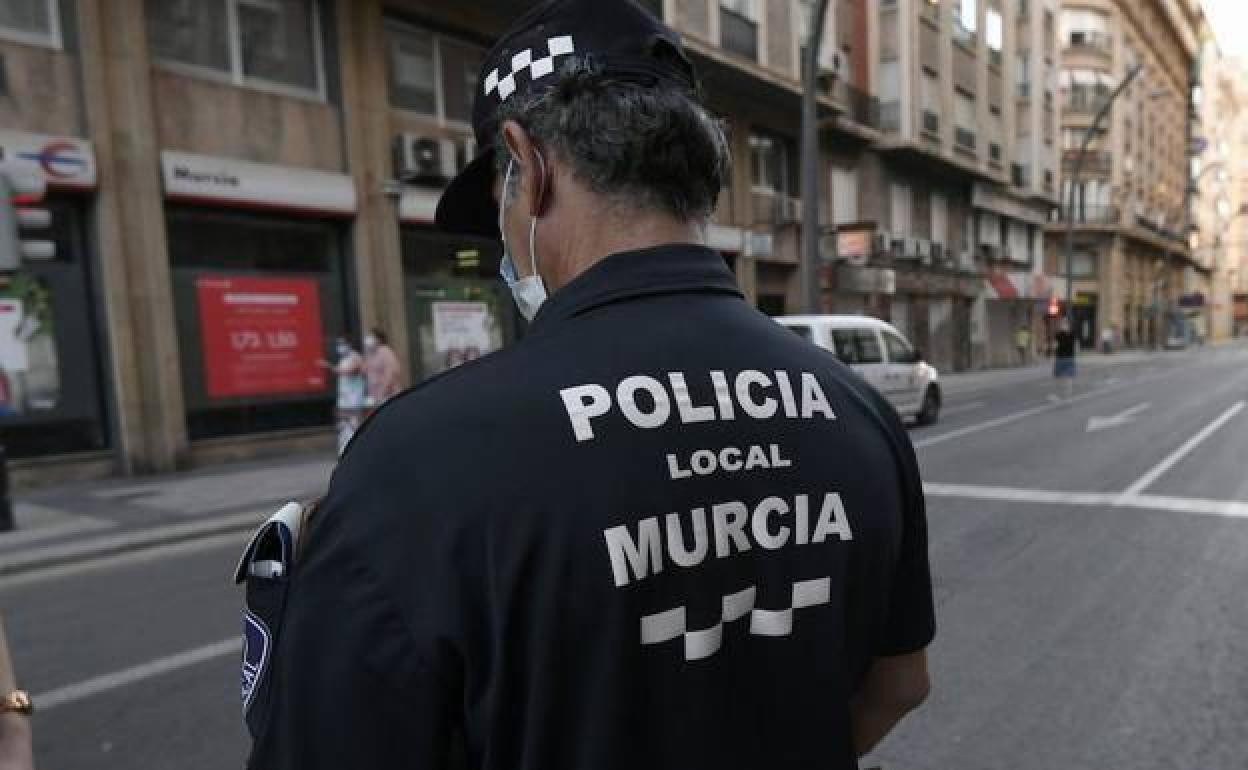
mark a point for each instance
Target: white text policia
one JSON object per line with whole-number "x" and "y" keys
{"x": 751, "y": 393}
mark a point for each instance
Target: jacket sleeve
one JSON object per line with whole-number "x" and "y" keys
{"x": 355, "y": 679}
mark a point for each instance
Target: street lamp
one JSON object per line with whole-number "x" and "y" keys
{"x": 811, "y": 258}
{"x": 1089, "y": 134}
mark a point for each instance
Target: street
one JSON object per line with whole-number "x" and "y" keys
{"x": 1087, "y": 556}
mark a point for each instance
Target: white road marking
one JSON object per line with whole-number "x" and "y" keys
{"x": 1025, "y": 413}
{"x": 1192, "y": 505}
{"x": 118, "y": 679}
{"x": 1122, "y": 418}
{"x": 1174, "y": 457}
{"x": 960, "y": 408}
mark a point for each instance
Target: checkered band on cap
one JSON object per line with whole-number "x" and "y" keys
{"x": 523, "y": 62}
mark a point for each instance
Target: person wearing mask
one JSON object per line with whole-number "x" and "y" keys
{"x": 381, "y": 368}
{"x": 660, "y": 531}
{"x": 348, "y": 369}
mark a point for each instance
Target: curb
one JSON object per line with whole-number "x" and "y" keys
{"x": 111, "y": 545}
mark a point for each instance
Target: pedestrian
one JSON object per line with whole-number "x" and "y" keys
{"x": 381, "y": 368}
{"x": 1022, "y": 341}
{"x": 1064, "y": 360}
{"x": 348, "y": 369}
{"x": 1107, "y": 340}
{"x": 659, "y": 531}
{"x": 15, "y": 711}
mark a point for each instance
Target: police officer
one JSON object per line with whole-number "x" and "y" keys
{"x": 660, "y": 531}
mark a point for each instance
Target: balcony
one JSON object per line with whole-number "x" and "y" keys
{"x": 738, "y": 34}
{"x": 890, "y": 117}
{"x": 1090, "y": 42}
{"x": 964, "y": 139}
{"x": 859, "y": 106}
{"x": 1094, "y": 161}
{"x": 1090, "y": 214}
{"x": 773, "y": 208}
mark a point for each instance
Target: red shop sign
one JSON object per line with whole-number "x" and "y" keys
{"x": 261, "y": 336}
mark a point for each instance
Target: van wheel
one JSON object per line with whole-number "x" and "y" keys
{"x": 930, "y": 412}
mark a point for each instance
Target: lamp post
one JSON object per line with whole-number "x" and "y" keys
{"x": 1088, "y": 136}
{"x": 811, "y": 258}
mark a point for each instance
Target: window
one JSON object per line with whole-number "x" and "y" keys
{"x": 801, "y": 330}
{"x": 31, "y": 21}
{"x": 1085, "y": 28}
{"x": 901, "y": 202}
{"x": 273, "y": 43}
{"x": 432, "y": 74}
{"x": 898, "y": 351}
{"x": 738, "y": 27}
{"x": 769, "y": 164}
{"x": 868, "y": 347}
{"x": 965, "y": 17}
{"x": 940, "y": 219}
{"x": 844, "y": 196}
{"x": 994, "y": 31}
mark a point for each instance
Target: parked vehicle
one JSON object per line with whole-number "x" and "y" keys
{"x": 881, "y": 355}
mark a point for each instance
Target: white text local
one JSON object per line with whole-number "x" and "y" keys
{"x": 755, "y": 394}
{"x": 734, "y": 528}
{"x": 704, "y": 462}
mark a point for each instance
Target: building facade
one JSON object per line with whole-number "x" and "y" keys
{"x": 235, "y": 183}
{"x": 1131, "y": 262}
{"x": 1220, "y": 190}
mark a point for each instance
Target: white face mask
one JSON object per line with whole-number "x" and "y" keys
{"x": 370, "y": 342}
{"x": 529, "y": 292}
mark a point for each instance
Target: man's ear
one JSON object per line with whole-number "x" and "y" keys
{"x": 535, "y": 173}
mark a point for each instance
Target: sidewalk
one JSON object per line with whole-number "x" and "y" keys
{"x": 74, "y": 521}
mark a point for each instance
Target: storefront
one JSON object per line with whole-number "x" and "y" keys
{"x": 52, "y": 399}
{"x": 1013, "y": 300}
{"x": 261, "y": 288}
{"x": 458, "y": 309}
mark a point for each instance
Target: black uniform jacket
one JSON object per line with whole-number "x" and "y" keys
{"x": 661, "y": 531}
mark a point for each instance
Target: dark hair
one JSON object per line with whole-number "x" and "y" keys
{"x": 643, "y": 147}
{"x": 380, "y": 335}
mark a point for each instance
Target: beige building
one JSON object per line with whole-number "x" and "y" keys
{"x": 1131, "y": 263}
{"x": 1220, "y": 190}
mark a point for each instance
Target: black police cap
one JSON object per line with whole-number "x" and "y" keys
{"x": 617, "y": 37}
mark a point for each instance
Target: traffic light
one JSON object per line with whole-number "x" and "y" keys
{"x": 18, "y": 191}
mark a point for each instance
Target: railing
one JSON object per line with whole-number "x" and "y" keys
{"x": 860, "y": 106}
{"x": 1091, "y": 214}
{"x": 1094, "y": 161}
{"x": 738, "y": 34}
{"x": 1089, "y": 41}
{"x": 890, "y": 116}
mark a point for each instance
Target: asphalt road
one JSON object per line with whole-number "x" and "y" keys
{"x": 1088, "y": 561}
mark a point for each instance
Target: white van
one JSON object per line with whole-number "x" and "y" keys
{"x": 880, "y": 355}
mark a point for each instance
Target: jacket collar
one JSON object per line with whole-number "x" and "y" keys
{"x": 669, "y": 269}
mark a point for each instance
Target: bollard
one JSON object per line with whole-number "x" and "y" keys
{"x": 6, "y": 505}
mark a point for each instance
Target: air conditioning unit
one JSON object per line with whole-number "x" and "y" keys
{"x": 990, "y": 251}
{"x": 457, "y": 153}
{"x": 922, "y": 249}
{"x": 788, "y": 210}
{"x": 898, "y": 248}
{"x": 420, "y": 159}
{"x": 966, "y": 262}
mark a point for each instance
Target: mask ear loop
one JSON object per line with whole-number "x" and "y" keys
{"x": 538, "y": 203}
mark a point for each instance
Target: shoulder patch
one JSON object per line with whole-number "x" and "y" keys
{"x": 256, "y": 643}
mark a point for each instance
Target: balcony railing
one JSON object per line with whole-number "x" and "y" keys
{"x": 1089, "y": 41}
{"x": 860, "y": 106}
{"x": 890, "y": 116}
{"x": 1090, "y": 214}
{"x": 1094, "y": 161}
